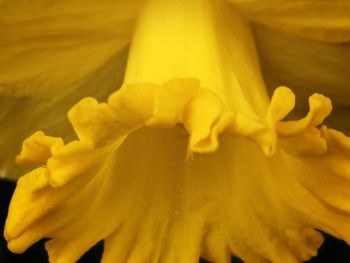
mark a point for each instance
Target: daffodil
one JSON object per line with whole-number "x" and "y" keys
{"x": 190, "y": 157}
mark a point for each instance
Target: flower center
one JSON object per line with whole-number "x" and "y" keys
{"x": 207, "y": 40}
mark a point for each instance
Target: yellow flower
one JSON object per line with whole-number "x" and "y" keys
{"x": 189, "y": 157}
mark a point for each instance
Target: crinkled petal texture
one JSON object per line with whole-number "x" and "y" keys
{"x": 326, "y": 20}
{"x": 51, "y": 45}
{"x": 148, "y": 176}
{"x": 305, "y": 63}
{"x": 49, "y": 112}
{"x": 51, "y": 53}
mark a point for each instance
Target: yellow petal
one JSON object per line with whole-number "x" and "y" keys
{"x": 133, "y": 185}
{"x": 327, "y": 21}
{"x": 308, "y": 67}
{"x": 22, "y": 116}
{"x": 172, "y": 40}
{"x": 38, "y": 148}
{"x": 47, "y": 47}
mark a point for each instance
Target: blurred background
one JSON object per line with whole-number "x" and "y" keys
{"x": 332, "y": 251}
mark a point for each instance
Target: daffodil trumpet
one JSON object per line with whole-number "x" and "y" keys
{"x": 189, "y": 158}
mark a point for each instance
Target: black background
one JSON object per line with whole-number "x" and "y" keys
{"x": 332, "y": 251}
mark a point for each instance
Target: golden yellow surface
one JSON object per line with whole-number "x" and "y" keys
{"x": 189, "y": 158}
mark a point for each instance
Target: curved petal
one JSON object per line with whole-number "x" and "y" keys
{"x": 22, "y": 116}
{"x": 308, "y": 67}
{"x": 147, "y": 176}
{"x": 326, "y": 21}
{"x": 47, "y": 46}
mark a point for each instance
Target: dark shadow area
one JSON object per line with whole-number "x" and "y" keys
{"x": 332, "y": 251}
{"x": 37, "y": 252}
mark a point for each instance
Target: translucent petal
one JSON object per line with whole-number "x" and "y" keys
{"x": 55, "y": 45}
{"x": 148, "y": 176}
{"x": 327, "y": 20}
